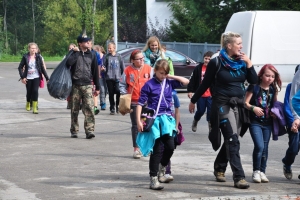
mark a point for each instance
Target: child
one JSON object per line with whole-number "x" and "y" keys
{"x": 114, "y": 66}
{"x": 153, "y": 51}
{"x": 164, "y": 124}
{"x": 204, "y": 103}
{"x": 260, "y": 99}
{"x": 294, "y": 138}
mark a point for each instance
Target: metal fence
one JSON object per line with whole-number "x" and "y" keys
{"x": 192, "y": 50}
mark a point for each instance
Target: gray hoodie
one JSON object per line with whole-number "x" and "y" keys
{"x": 114, "y": 66}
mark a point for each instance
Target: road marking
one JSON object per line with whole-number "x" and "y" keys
{"x": 10, "y": 191}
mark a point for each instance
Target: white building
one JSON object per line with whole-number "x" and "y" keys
{"x": 158, "y": 9}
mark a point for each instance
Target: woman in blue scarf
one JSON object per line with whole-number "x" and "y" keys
{"x": 225, "y": 75}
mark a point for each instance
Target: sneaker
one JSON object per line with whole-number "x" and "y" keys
{"x": 256, "y": 176}
{"x": 287, "y": 171}
{"x": 112, "y": 111}
{"x": 90, "y": 135}
{"x": 74, "y": 135}
{"x": 161, "y": 170}
{"x": 220, "y": 176}
{"x": 137, "y": 154}
{"x": 241, "y": 184}
{"x": 264, "y": 178}
{"x": 96, "y": 110}
{"x": 194, "y": 125}
{"x": 154, "y": 184}
{"x": 103, "y": 106}
{"x": 165, "y": 178}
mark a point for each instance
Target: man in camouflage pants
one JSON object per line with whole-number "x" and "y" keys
{"x": 84, "y": 70}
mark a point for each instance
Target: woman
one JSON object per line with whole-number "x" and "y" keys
{"x": 153, "y": 51}
{"x": 114, "y": 66}
{"x": 227, "y": 74}
{"x": 31, "y": 75}
{"x": 133, "y": 79}
{"x": 103, "y": 87}
{"x": 260, "y": 100}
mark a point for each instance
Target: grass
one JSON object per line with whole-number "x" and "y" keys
{"x": 14, "y": 58}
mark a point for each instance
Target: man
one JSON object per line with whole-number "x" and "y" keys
{"x": 84, "y": 70}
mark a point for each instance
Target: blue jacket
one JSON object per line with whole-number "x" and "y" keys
{"x": 287, "y": 109}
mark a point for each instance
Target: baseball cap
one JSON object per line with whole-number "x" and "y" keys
{"x": 83, "y": 38}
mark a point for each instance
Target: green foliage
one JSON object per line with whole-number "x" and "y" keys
{"x": 205, "y": 21}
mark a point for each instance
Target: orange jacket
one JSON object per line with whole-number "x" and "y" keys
{"x": 130, "y": 75}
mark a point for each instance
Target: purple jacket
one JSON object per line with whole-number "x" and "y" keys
{"x": 150, "y": 94}
{"x": 279, "y": 124}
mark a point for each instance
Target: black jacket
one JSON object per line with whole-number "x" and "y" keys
{"x": 84, "y": 68}
{"x": 39, "y": 66}
{"x": 195, "y": 79}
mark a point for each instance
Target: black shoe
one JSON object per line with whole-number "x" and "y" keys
{"x": 96, "y": 110}
{"x": 74, "y": 135}
{"x": 112, "y": 111}
{"x": 90, "y": 135}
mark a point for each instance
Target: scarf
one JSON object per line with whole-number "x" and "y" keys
{"x": 234, "y": 64}
{"x": 153, "y": 56}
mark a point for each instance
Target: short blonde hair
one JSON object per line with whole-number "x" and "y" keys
{"x": 162, "y": 64}
{"x": 228, "y": 38}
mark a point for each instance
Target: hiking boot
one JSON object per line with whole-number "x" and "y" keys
{"x": 96, "y": 110}
{"x": 287, "y": 171}
{"x": 103, "y": 106}
{"x": 112, "y": 111}
{"x": 74, "y": 135}
{"x": 220, "y": 176}
{"x": 194, "y": 125}
{"x": 90, "y": 135}
{"x": 166, "y": 178}
{"x": 137, "y": 154}
{"x": 264, "y": 178}
{"x": 161, "y": 170}
{"x": 241, "y": 184}
{"x": 256, "y": 176}
{"x": 154, "y": 184}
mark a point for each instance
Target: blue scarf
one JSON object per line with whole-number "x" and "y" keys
{"x": 234, "y": 64}
{"x": 153, "y": 56}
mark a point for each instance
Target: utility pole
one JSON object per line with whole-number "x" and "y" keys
{"x": 115, "y": 25}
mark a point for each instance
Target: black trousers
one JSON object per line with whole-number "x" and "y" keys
{"x": 229, "y": 151}
{"x": 32, "y": 88}
{"x": 113, "y": 88}
{"x": 157, "y": 157}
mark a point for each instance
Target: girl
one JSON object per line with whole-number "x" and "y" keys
{"x": 259, "y": 100}
{"x": 33, "y": 71}
{"x": 114, "y": 66}
{"x": 133, "y": 79}
{"x": 227, "y": 74}
{"x": 152, "y": 51}
{"x": 164, "y": 125}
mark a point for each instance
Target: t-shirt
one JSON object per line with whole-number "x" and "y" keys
{"x": 32, "y": 70}
{"x": 207, "y": 92}
{"x": 264, "y": 99}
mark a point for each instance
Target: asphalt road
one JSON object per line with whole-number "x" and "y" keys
{"x": 39, "y": 160}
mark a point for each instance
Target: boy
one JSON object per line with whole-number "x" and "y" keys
{"x": 204, "y": 103}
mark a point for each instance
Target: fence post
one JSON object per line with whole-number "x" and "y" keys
{"x": 174, "y": 44}
{"x": 189, "y": 49}
{"x": 126, "y": 44}
{"x": 205, "y": 47}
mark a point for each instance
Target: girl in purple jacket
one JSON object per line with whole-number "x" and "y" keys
{"x": 163, "y": 129}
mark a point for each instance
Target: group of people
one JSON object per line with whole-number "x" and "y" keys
{"x": 217, "y": 86}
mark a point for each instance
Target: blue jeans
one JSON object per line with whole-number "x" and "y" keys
{"x": 204, "y": 103}
{"x": 103, "y": 90}
{"x": 293, "y": 149}
{"x": 261, "y": 136}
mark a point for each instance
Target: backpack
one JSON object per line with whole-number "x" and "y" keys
{"x": 214, "y": 83}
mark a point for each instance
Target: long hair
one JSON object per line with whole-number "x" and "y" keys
{"x": 150, "y": 40}
{"x": 277, "y": 81}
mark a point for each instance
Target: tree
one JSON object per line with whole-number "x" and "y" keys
{"x": 202, "y": 20}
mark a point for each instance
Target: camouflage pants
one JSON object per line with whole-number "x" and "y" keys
{"x": 84, "y": 93}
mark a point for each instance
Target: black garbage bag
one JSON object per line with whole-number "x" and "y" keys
{"x": 60, "y": 83}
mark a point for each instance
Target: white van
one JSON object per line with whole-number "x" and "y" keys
{"x": 270, "y": 37}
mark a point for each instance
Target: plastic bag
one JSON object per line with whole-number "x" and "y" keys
{"x": 60, "y": 83}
